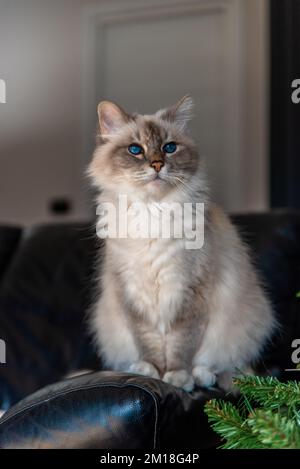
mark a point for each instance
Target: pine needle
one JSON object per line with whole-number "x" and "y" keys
{"x": 267, "y": 415}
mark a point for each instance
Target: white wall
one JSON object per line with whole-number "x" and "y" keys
{"x": 41, "y": 133}
{"x": 255, "y": 104}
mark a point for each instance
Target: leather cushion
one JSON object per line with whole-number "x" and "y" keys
{"x": 109, "y": 410}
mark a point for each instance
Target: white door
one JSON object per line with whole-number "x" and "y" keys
{"x": 147, "y": 54}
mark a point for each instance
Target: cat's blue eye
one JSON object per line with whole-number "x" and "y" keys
{"x": 135, "y": 149}
{"x": 170, "y": 147}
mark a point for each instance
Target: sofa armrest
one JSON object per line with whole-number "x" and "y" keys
{"x": 109, "y": 410}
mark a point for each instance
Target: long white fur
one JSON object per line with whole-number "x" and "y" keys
{"x": 155, "y": 276}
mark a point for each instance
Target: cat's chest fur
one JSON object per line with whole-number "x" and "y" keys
{"x": 154, "y": 278}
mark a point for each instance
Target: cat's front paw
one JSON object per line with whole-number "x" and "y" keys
{"x": 144, "y": 368}
{"x": 204, "y": 378}
{"x": 180, "y": 379}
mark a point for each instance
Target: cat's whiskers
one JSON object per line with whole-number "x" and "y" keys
{"x": 180, "y": 184}
{"x": 177, "y": 180}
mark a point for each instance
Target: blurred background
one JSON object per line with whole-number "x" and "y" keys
{"x": 59, "y": 58}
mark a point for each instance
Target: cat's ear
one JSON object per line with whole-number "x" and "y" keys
{"x": 111, "y": 118}
{"x": 180, "y": 113}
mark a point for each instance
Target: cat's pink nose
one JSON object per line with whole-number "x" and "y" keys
{"x": 157, "y": 165}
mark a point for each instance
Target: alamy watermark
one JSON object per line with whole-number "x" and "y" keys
{"x": 2, "y": 352}
{"x": 2, "y": 91}
{"x": 296, "y": 93}
{"x": 295, "y": 356}
{"x": 141, "y": 220}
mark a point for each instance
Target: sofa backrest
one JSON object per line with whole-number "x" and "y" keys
{"x": 48, "y": 285}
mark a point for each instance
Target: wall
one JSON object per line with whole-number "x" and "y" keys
{"x": 40, "y": 127}
{"x": 43, "y": 123}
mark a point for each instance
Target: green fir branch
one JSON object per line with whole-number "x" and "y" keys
{"x": 229, "y": 424}
{"x": 275, "y": 431}
{"x": 269, "y": 391}
{"x": 266, "y": 416}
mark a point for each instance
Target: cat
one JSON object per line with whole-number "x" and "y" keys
{"x": 190, "y": 317}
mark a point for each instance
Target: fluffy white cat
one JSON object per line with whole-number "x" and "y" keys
{"x": 187, "y": 316}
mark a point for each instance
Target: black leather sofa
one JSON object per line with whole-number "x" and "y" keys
{"x": 46, "y": 288}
